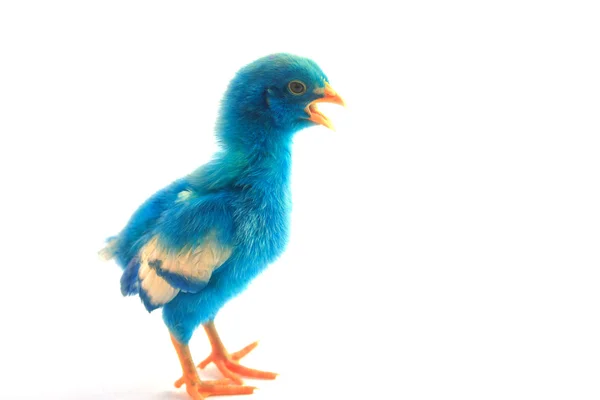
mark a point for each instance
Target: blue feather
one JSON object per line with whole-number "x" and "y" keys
{"x": 129, "y": 279}
{"x": 135, "y": 233}
{"x": 183, "y": 283}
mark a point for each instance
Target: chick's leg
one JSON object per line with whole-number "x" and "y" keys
{"x": 228, "y": 363}
{"x": 197, "y": 389}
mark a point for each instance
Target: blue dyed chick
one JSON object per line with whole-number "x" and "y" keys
{"x": 199, "y": 242}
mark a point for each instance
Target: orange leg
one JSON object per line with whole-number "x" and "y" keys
{"x": 228, "y": 363}
{"x": 197, "y": 389}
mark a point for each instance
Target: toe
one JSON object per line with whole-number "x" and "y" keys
{"x": 206, "y": 361}
{"x": 179, "y": 382}
{"x": 250, "y": 372}
{"x": 238, "y": 355}
{"x": 224, "y": 390}
{"x": 227, "y": 372}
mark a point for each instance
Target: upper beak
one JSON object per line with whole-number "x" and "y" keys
{"x": 329, "y": 96}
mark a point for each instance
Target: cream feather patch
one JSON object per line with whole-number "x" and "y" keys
{"x": 157, "y": 289}
{"x": 195, "y": 264}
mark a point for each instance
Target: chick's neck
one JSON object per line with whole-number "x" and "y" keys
{"x": 259, "y": 160}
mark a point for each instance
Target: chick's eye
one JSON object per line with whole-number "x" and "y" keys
{"x": 297, "y": 87}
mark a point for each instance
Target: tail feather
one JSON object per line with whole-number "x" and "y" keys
{"x": 110, "y": 250}
{"x": 129, "y": 279}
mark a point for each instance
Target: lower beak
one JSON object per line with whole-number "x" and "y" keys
{"x": 329, "y": 96}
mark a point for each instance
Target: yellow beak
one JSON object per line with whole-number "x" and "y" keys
{"x": 329, "y": 96}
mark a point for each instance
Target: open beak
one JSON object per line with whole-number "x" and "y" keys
{"x": 329, "y": 96}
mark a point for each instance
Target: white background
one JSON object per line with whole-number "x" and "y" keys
{"x": 445, "y": 240}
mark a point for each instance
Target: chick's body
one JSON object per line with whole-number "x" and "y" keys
{"x": 198, "y": 242}
{"x": 249, "y": 214}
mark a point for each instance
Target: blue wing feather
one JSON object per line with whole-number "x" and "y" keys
{"x": 181, "y": 282}
{"x": 129, "y": 280}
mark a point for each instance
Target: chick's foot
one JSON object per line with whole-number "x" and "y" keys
{"x": 199, "y": 390}
{"x": 228, "y": 364}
